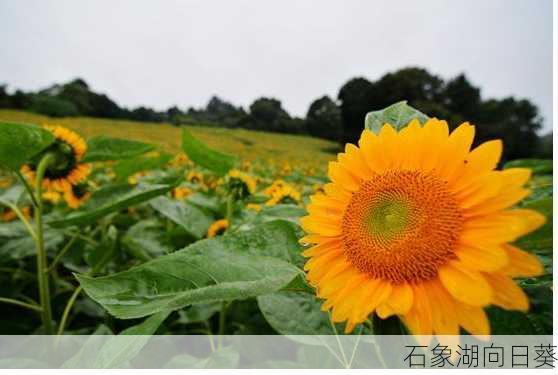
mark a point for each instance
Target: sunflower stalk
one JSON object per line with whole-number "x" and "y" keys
{"x": 42, "y": 261}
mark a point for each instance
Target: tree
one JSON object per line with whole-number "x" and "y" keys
{"x": 323, "y": 119}
{"x": 514, "y": 121}
{"x": 355, "y": 104}
{"x": 268, "y": 114}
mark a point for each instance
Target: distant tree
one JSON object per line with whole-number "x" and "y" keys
{"x": 52, "y": 106}
{"x": 544, "y": 150}
{"x": 355, "y": 104}
{"x": 514, "y": 121}
{"x": 461, "y": 97}
{"x": 323, "y": 119}
{"x": 268, "y": 114}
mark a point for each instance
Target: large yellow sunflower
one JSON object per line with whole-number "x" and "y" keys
{"x": 415, "y": 224}
{"x": 66, "y": 170}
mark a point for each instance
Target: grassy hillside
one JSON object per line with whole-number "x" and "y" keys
{"x": 301, "y": 151}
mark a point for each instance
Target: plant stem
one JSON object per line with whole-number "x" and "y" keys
{"x": 230, "y": 209}
{"x": 42, "y": 261}
{"x": 27, "y": 188}
{"x": 21, "y": 304}
{"x": 67, "y": 309}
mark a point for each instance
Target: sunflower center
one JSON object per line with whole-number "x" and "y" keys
{"x": 401, "y": 226}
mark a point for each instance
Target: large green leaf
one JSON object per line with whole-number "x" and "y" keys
{"x": 103, "y": 148}
{"x": 295, "y": 313}
{"x": 222, "y": 358}
{"x": 111, "y": 198}
{"x": 201, "y": 154}
{"x": 24, "y": 246}
{"x": 128, "y": 167}
{"x": 397, "y": 115}
{"x": 20, "y": 142}
{"x": 538, "y": 166}
{"x": 191, "y": 218}
{"x": 233, "y": 266}
{"x": 147, "y": 239}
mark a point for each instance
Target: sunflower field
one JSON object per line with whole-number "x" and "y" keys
{"x": 412, "y": 231}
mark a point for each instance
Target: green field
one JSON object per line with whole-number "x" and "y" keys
{"x": 299, "y": 151}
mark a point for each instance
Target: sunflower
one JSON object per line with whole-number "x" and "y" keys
{"x": 52, "y": 196}
{"x": 195, "y": 177}
{"x": 9, "y": 215}
{"x": 241, "y": 184}
{"x": 77, "y": 195}
{"x": 68, "y": 149}
{"x": 417, "y": 225}
{"x": 254, "y": 206}
{"x": 181, "y": 192}
{"x": 217, "y": 228}
{"x": 286, "y": 195}
{"x": 274, "y": 187}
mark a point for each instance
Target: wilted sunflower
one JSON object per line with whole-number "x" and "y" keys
{"x": 66, "y": 169}
{"x": 77, "y": 195}
{"x": 217, "y": 228}
{"x": 415, "y": 224}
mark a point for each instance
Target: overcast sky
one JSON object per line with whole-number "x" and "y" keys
{"x": 163, "y": 53}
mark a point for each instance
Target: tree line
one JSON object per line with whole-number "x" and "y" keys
{"x": 339, "y": 119}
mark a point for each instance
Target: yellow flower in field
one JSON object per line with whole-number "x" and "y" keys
{"x": 5, "y": 182}
{"x": 179, "y": 160}
{"x": 217, "y": 228}
{"x": 77, "y": 195}
{"x": 181, "y": 192}
{"x": 194, "y": 177}
{"x": 274, "y": 187}
{"x": 66, "y": 170}
{"x": 254, "y": 206}
{"x": 415, "y": 224}
{"x": 286, "y": 194}
{"x": 9, "y": 215}
{"x": 317, "y": 188}
{"x": 241, "y": 183}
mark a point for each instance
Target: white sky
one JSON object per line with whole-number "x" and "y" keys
{"x": 162, "y": 53}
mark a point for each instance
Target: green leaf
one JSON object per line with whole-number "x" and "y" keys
{"x": 541, "y": 239}
{"x": 128, "y": 167}
{"x": 538, "y": 166}
{"x": 103, "y": 148}
{"x": 206, "y": 157}
{"x": 295, "y": 313}
{"x": 111, "y": 198}
{"x": 198, "y": 313}
{"x": 224, "y": 358}
{"x": 398, "y": 115}
{"x": 20, "y": 142}
{"x": 24, "y": 246}
{"x": 229, "y": 267}
{"x": 124, "y": 347}
{"x": 147, "y": 239}
{"x": 192, "y": 219}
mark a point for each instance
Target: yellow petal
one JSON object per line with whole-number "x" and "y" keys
{"x": 482, "y": 258}
{"x": 465, "y": 284}
{"x": 485, "y": 157}
{"x": 474, "y": 320}
{"x": 521, "y": 263}
{"x": 341, "y": 176}
{"x": 399, "y": 301}
{"x": 506, "y": 293}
